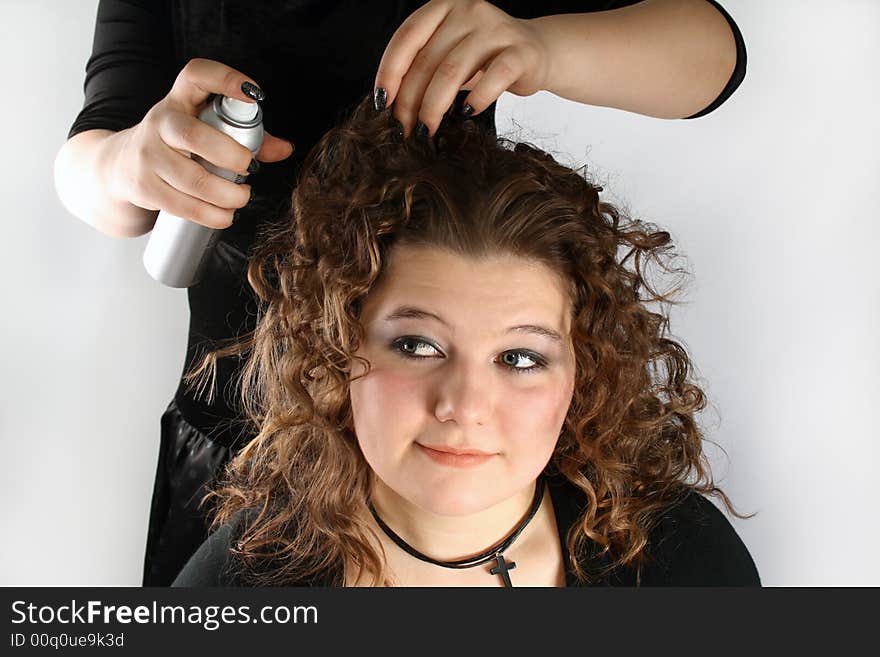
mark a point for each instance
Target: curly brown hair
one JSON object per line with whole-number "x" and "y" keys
{"x": 630, "y": 440}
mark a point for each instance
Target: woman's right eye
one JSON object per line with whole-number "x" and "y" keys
{"x": 410, "y": 347}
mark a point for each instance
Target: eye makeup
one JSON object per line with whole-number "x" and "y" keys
{"x": 398, "y": 347}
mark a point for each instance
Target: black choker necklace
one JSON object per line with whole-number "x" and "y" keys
{"x": 495, "y": 552}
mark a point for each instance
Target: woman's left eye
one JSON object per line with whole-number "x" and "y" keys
{"x": 511, "y": 358}
{"x": 410, "y": 347}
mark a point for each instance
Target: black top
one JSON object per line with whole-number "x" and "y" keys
{"x": 693, "y": 545}
{"x": 315, "y": 59}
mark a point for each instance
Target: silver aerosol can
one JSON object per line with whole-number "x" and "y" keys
{"x": 178, "y": 248}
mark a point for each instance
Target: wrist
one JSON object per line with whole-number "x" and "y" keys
{"x": 554, "y": 34}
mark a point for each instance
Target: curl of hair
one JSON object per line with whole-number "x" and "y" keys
{"x": 630, "y": 440}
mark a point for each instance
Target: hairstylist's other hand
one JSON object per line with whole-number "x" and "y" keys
{"x": 449, "y": 45}
{"x": 152, "y": 168}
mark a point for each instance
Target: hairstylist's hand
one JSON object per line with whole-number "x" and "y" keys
{"x": 151, "y": 167}
{"x": 449, "y": 45}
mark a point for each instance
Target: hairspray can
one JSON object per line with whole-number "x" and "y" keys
{"x": 178, "y": 248}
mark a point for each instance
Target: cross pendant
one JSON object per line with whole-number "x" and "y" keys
{"x": 502, "y": 569}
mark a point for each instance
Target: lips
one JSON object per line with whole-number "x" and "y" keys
{"x": 457, "y": 451}
{"x": 454, "y": 456}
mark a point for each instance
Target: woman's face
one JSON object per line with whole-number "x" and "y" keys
{"x": 464, "y": 380}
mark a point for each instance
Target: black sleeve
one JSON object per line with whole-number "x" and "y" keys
{"x": 695, "y": 545}
{"x": 210, "y": 564}
{"x": 526, "y": 9}
{"x": 132, "y": 65}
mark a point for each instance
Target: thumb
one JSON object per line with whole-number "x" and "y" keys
{"x": 274, "y": 149}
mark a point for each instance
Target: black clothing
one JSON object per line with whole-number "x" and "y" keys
{"x": 315, "y": 59}
{"x": 188, "y": 460}
{"x": 693, "y": 545}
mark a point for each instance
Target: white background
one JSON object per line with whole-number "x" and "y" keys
{"x": 773, "y": 198}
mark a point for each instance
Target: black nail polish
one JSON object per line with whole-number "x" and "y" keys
{"x": 253, "y": 195}
{"x": 254, "y": 166}
{"x": 467, "y": 110}
{"x": 397, "y": 135}
{"x": 379, "y": 98}
{"x": 253, "y": 91}
{"x": 421, "y": 130}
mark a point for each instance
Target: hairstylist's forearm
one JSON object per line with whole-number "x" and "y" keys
{"x": 80, "y": 182}
{"x": 662, "y": 58}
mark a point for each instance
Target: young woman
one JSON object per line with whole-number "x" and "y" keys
{"x": 456, "y": 380}
{"x": 127, "y": 154}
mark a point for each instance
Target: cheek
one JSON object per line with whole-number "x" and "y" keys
{"x": 384, "y": 404}
{"x": 533, "y": 417}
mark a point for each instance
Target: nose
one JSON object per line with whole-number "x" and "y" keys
{"x": 464, "y": 393}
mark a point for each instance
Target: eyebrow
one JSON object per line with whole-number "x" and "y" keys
{"x": 411, "y": 312}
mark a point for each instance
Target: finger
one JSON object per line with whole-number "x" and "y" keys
{"x": 274, "y": 149}
{"x": 191, "y": 178}
{"x": 202, "y": 77}
{"x": 456, "y": 70}
{"x": 406, "y": 42}
{"x": 502, "y": 73}
{"x": 187, "y": 134}
{"x": 180, "y": 204}
{"x": 470, "y": 84}
{"x": 425, "y": 67}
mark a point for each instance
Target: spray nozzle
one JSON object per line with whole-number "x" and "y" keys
{"x": 239, "y": 110}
